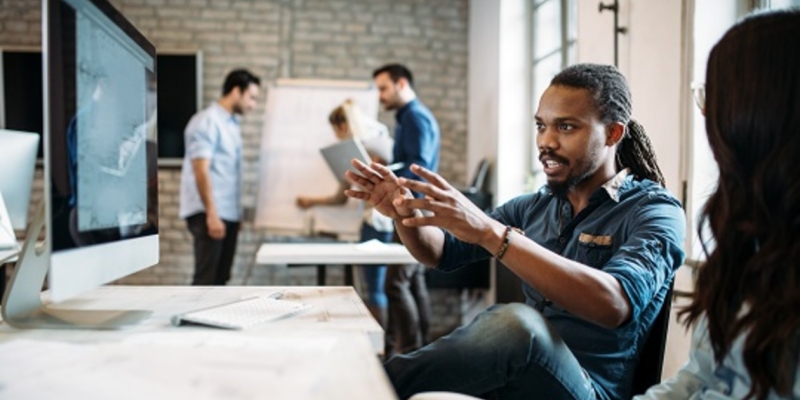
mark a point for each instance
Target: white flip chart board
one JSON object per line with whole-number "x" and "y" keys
{"x": 295, "y": 128}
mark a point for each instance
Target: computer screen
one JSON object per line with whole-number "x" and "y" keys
{"x": 101, "y": 195}
{"x": 101, "y": 152}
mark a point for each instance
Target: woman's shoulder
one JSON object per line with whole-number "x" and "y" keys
{"x": 730, "y": 378}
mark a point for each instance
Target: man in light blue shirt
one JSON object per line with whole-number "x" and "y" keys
{"x": 211, "y": 178}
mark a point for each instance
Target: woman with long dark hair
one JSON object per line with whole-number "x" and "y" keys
{"x": 747, "y": 300}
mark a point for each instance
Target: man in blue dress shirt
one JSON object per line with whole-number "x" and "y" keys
{"x": 596, "y": 249}
{"x": 416, "y": 141}
{"x": 211, "y": 178}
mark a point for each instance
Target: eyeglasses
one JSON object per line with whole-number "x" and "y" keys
{"x": 699, "y": 94}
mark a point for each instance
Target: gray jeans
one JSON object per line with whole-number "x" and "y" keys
{"x": 213, "y": 258}
{"x": 409, "y": 308}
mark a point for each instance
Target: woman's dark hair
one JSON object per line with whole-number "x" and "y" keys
{"x": 750, "y": 283}
{"x": 240, "y": 78}
{"x": 612, "y": 98}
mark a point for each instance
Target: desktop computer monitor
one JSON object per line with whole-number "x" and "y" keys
{"x": 101, "y": 195}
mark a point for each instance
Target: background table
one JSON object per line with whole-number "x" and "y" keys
{"x": 322, "y": 254}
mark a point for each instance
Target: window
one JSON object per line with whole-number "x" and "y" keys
{"x": 21, "y": 91}
{"x": 711, "y": 21}
{"x": 776, "y": 4}
{"x": 554, "y": 38}
{"x": 179, "y": 98}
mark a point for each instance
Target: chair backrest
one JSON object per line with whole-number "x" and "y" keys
{"x": 480, "y": 175}
{"x": 476, "y": 192}
{"x": 651, "y": 361}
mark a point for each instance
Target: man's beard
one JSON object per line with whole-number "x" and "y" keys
{"x": 561, "y": 189}
{"x": 390, "y": 106}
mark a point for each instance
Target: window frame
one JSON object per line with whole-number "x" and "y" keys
{"x": 568, "y": 54}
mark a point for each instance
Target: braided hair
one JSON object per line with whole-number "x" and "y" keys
{"x": 612, "y": 98}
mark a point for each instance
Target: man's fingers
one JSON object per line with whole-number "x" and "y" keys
{"x": 217, "y": 233}
{"x": 366, "y": 171}
{"x": 359, "y": 180}
{"x": 423, "y": 187}
{"x": 357, "y": 163}
{"x": 430, "y": 176}
{"x": 384, "y": 172}
{"x": 357, "y": 194}
{"x": 420, "y": 221}
{"x": 431, "y": 205}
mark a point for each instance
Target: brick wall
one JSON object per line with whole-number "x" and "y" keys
{"x": 332, "y": 39}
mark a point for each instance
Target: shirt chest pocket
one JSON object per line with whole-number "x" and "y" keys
{"x": 594, "y": 251}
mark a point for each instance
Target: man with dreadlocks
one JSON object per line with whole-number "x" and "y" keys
{"x": 596, "y": 250}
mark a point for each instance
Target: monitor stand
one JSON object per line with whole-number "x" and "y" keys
{"x": 22, "y": 301}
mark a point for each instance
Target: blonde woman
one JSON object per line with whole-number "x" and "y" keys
{"x": 348, "y": 121}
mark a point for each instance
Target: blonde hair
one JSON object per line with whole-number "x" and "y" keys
{"x": 360, "y": 126}
{"x": 349, "y": 113}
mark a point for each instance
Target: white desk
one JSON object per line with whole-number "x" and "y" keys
{"x": 321, "y": 254}
{"x": 329, "y": 352}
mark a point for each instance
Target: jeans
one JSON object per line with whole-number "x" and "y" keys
{"x": 375, "y": 275}
{"x": 509, "y": 351}
{"x": 213, "y": 258}
{"x": 409, "y": 307}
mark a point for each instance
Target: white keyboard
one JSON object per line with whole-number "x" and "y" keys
{"x": 241, "y": 314}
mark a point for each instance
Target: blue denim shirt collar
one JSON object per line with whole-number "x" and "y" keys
{"x": 404, "y": 109}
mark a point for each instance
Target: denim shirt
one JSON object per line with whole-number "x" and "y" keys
{"x": 416, "y": 139}
{"x": 633, "y": 230}
{"x": 213, "y": 134}
{"x": 703, "y": 378}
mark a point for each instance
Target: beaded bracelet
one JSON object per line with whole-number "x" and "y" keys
{"x": 506, "y": 239}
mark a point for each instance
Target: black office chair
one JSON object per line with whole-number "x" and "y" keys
{"x": 651, "y": 361}
{"x": 476, "y": 191}
{"x": 480, "y": 175}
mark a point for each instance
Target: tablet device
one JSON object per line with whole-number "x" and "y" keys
{"x": 338, "y": 157}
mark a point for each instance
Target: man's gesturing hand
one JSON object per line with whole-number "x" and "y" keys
{"x": 379, "y": 187}
{"x": 447, "y": 208}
